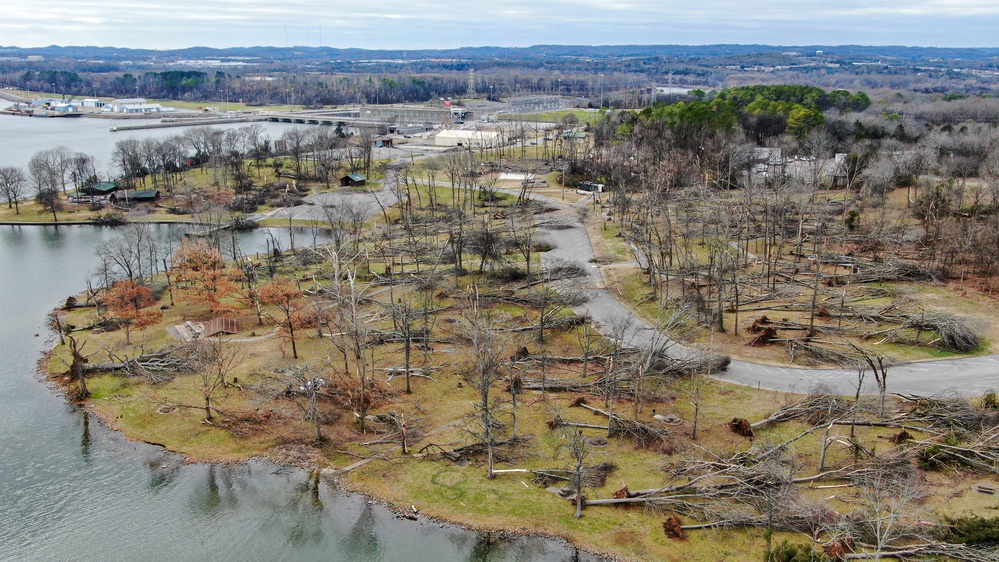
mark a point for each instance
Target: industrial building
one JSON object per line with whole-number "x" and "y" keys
{"x": 477, "y": 139}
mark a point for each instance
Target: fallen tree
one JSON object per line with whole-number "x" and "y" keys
{"x": 157, "y": 366}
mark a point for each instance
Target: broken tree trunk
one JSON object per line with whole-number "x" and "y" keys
{"x": 641, "y": 433}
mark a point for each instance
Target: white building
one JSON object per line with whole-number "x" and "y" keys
{"x": 134, "y": 105}
{"x": 478, "y": 139}
{"x": 63, "y": 108}
{"x": 128, "y": 101}
{"x": 144, "y": 108}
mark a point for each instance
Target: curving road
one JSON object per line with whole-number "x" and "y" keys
{"x": 312, "y": 210}
{"x": 968, "y": 376}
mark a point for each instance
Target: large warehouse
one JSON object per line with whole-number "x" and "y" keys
{"x": 477, "y": 139}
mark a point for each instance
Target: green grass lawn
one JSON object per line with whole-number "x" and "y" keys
{"x": 582, "y": 116}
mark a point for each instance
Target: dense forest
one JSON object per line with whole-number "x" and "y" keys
{"x": 627, "y": 74}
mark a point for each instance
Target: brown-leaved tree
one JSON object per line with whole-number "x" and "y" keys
{"x": 202, "y": 273}
{"x": 125, "y": 302}
{"x": 283, "y": 294}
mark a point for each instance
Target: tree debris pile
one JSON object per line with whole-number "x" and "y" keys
{"x": 950, "y": 413}
{"x": 663, "y": 364}
{"x": 956, "y": 333}
{"x": 818, "y": 407}
{"x": 511, "y": 451}
{"x": 156, "y": 366}
{"x": 342, "y": 391}
{"x": 593, "y": 476}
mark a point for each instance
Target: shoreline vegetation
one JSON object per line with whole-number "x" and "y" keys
{"x": 333, "y": 477}
{"x": 438, "y": 353}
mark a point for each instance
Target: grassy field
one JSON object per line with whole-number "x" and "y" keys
{"x": 582, "y": 116}
{"x": 258, "y": 418}
{"x": 260, "y": 413}
{"x": 258, "y": 422}
{"x": 792, "y": 305}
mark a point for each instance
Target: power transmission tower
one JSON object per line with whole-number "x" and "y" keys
{"x": 471, "y": 83}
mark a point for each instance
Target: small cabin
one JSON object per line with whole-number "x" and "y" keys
{"x": 129, "y": 197}
{"x": 146, "y": 196}
{"x": 101, "y": 188}
{"x": 353, "y": 180}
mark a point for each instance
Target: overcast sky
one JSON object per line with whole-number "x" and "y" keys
{"x": 412, "y": 24}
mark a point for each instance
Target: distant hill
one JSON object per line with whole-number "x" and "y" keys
{"x": 535, "y": 52}
{"x": 627, "y": 74}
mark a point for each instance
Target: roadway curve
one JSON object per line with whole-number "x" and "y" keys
{"x": 312, "y": 210}
{"x": 968, "y": 376}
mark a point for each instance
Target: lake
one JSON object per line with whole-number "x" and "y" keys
{"x": 72, "y": 490}
{"x": 24, "y": 136}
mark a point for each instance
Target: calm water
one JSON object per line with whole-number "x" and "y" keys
{"x": 73, "y": 490}
{"x": 23, "y": 136}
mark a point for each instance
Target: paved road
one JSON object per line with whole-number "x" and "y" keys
{"x": 969, "y": 376}
{"x": 312, "y": 210}
{"x": 368, "y": 201}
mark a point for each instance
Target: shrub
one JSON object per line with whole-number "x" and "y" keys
{"x": 990, "y": 400}
{"x": 787, "y": 552}
{"x": 110, "y": 219}
{"x": 509, "y": 274}
{"x": 972, "y": 530}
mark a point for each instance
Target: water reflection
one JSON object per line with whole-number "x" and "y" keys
{"x": 215, "y": 495}
{"x": 72, "y": 489}
{"x": 482, "y": 548}
{"x": 164, "y": 468}
{"x": 361, "y": 541}
{"x": 305, "y": 513}
{"x": 491, "y": 547}
{"x": 54, "y": 238}
{"x": 314, "y": 480}
{"x": 14, "y": 234}
{"x": 85, "y": 438}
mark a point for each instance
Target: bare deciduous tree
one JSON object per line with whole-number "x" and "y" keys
{"x": 215, "y": 359}
{"x": 575, "y": 442}
{"x": 888, "y": 493}
{"x": 13, "y": 186}
{"x": 352, "y": 324}
{"x": 306, "y": 386}
{"x": 480, "y": 328}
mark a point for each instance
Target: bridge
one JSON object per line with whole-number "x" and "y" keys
{"x": 389, "y": 118}
{"x": 373, "y": 119}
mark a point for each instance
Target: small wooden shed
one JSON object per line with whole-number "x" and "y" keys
{"x": 353, "y": 180}
{"x": 220, "y": 325}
